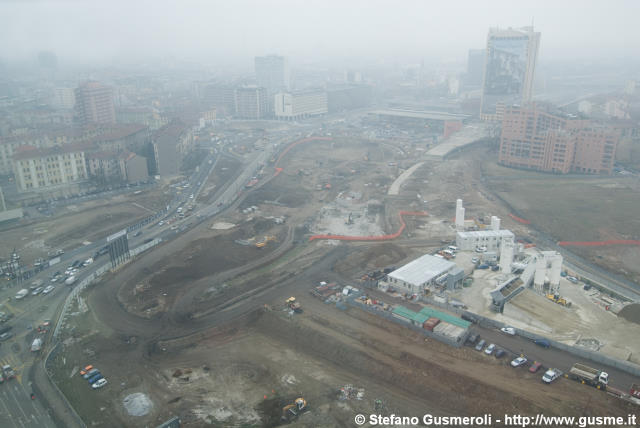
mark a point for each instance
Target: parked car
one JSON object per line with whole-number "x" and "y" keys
{"x": 483, "y": 266}
{"x": 5, "y": 336}
{"x": 85, "y": 370}
{"x": 95, "y": 377}
{"x": 573, "y": 279}
{"x": 475, "y": 260}
{"x": 138, "y": 233}
{"x": 90, "y": 373}
{"x": 37, "y": 291}
{"x": 99, "y": 383}
{"x": 500, "y": 353}
{"x": 490, "y": 349}
{"x": 480, "y": 345}
{"x": 535, "y": 366}
{"x": 542, "y": 342}
{"x": 508, "y": 330}
{"x": 520, "y": 361}
{"x": 48, "y": 289}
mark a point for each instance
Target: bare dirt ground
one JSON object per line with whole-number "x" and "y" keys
{"x": 185, "y": 323}
{"x": 75, "y": 224}
{"x": 577, "y": 208}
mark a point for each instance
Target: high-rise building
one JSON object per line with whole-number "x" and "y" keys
{"x": 510, "y": 64}
{"x": 475, "y": 68}
{"x": 272, "y": 73}
{"x": 544, "y": 140}
{"x": 94, "y": 103}
{"x": 252, "y": 102}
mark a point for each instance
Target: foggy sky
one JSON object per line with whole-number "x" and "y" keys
{"x": 237, "y": 30}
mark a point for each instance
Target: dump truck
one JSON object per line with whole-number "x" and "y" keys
{"x": 551, "y": 375}
{"x": 589, "y": 375}
{"x": 294, "y": 409}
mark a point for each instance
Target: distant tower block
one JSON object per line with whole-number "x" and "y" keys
{"x": 459, "y": 215}
{"x": 495, "y": 223}
{"x": 506, "y": 256}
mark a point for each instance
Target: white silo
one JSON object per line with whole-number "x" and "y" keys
{"x": 495, "y": 223}
{"x": 506, "y": 256}
{"x": 459, "y": 215}
{"x": 556, "y": 269}
{"x": 541, "y": 271}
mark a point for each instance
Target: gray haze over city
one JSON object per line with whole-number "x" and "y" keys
{"x": 232, "y": 32}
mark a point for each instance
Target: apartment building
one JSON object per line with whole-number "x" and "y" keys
{"x": 45, "y": 168}
{"x": 534, "y": 137}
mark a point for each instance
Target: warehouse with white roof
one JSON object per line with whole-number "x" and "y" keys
{"x": 415, "y": 276}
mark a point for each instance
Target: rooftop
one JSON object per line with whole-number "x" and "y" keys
{"x": 486, "y": 234}
{"x": 428, "y": 312}
{"x": 30, "y": 152}
{"x": 422, "y": 269}
{"x": 426, "y": 115}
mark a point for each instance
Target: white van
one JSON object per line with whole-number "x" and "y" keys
{"x": 452, "y": 248}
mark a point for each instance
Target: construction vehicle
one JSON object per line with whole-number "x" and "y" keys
{"x": 589, "y": 375}
{"x": 293, "y": 304}
{"x": 555, "y": 298}
{"x": 8, "y": 372}
{"x": 265, "y": 241}
{"x": 292, "y": 410}
{"x": 349, "y": 219}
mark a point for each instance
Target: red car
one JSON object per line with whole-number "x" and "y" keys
{"x": 535, "y": 367}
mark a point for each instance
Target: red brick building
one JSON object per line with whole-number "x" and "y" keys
{"x": 536, "y": 138}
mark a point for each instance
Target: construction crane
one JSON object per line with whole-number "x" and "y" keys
{"x": 294, "y": 409}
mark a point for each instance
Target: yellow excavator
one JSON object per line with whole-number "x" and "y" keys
{"x": 292, "y": 410}
{"x": 265, "y": 241}
{"x": 555, "y": 298}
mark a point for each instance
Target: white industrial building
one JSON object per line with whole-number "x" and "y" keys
{"x": 491, "y": 239}
{"x": 297, "y": 105}
{"x": 415, "y": 276}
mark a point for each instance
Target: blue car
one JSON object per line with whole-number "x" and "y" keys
{"x": 542, "y": 342}
{"x": 94, "y": 378}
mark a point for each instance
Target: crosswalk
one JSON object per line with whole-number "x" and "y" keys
{"x": 9, "y": 308}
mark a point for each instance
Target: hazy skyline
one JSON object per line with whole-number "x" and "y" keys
{"x": 235, "y": 31}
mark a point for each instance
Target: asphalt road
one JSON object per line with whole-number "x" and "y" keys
{"x": 551, "y": 357}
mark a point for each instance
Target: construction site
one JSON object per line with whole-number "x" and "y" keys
{"x": 284, "y": 310}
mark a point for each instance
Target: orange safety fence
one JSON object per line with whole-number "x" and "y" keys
{"x": 373, "y": 238}
{"x": 291, "y": 146}
{"x": 598, "y": 243}
{"x": 519, "y": 220}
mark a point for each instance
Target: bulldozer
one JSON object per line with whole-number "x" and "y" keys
{"x": 292, "y": 410}
{"x": 555, "y": 298}
{"x": 265, "y": 241}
